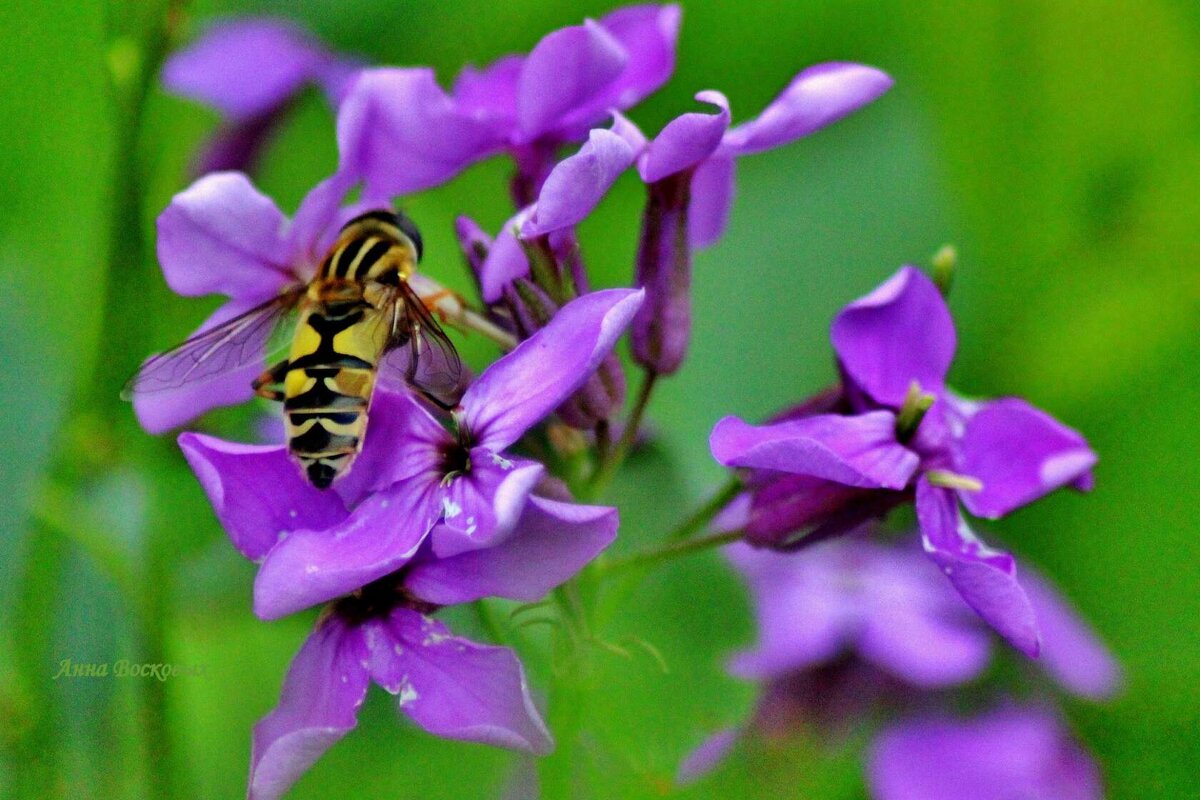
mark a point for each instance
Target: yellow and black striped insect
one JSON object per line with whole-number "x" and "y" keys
{"x": 356, "y": 321}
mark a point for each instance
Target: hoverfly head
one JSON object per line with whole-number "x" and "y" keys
{"x": 397, "y": 221}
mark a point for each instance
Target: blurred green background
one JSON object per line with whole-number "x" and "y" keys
{"x": 1056, "y": 143}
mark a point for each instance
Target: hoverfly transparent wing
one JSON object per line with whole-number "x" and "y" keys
{"x": 418, "y": 351}
{"x": 218, "y": 351}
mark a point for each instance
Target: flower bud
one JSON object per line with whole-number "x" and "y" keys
{"x": 662, "y": 327}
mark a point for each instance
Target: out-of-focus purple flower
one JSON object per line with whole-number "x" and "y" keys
{"x": 400, "y": 132}
{"x": 451, "y": 687}
{"x": 250, "y": 70}
{"x": 413, "y": 475}
{"x": 856, "y": 626}
{"x": 899, "y": 433}
{"x": 222, "y": 236}
{"x": 883, "y": 604}
{"x": 1004, "y": 754}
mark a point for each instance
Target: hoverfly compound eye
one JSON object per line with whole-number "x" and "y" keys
{"x": 409, "y": 228}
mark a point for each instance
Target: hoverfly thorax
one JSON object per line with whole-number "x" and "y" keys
{"x": 357, "y": 321}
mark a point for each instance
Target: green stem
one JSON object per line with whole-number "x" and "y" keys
{"x": 615, "y": 457}
{"x": 703, "y": 515}
{"x": 670, "y": 552}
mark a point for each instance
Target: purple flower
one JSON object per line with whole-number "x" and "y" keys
{"x": 897, "y": 432}
{"x": 222, "y": 236}
{"x": 1003, "y": 754}
{"x": 856, "y": 625}
{"x": 250, "y": 70}
{"x": 689, "y": 170}
{"x": 413, "y": 479}
{"x": 451, "y": 687}
{"x": 398, "y": 121}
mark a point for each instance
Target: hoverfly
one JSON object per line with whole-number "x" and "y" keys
{"x": 356, "y": 321}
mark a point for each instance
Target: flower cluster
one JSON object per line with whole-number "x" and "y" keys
{"x": 893, "y": 433}
{"x": 857, "y": 626}
{"x": 450, "y": 506}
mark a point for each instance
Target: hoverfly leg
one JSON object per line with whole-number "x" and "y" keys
{"x": 264, "y": 384}
{"x": 442, "y": 404}
{"x": 431, "y": 302}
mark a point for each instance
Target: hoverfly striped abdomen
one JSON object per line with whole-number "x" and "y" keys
{"x": 356, "y": 310}
{"x": 338, "y": 346}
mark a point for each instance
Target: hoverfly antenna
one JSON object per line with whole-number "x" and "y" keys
{"x": 410, "y": 230}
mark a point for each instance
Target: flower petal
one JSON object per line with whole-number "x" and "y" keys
{"x": 491, "y": 92}
{"x": 564, "y": 78}
{"x": 805, "y": 615}
{"x": 482, "y": 507}
{"x": 790, "y": 504}
{"x": 818, "y": 96}
{"x": 899, "y": 333}
{"x": 1071, "y": 651}
{"x": 161, "y": 410}
{"x": 578, "y": 182}
{"x": 315, "y": 226}
{"x": 458, "y": 689}
{"x": 1020, "y": 453}
{"x": 524, "y": 386}
{"x": 986, "y": 578}
{"x": 506, "y": 260}
{"x": 223, "y": 236}
{"x": 648, "y": 33}
{"x": 319, "y": 704}
{"x": 400, "y": 132}
{"x": 403, "y": 441}
{"x": 922, "y": 648}
{"x": 257, "y": 492}
{"x": 551, "y": 543}
{"x": 712, "y": 198}
{"x": 1003, "y": 754}
{"x": 686, "y": 140}
{"x": 244, "y": 67}
{"x": 312, "y": 566}
{"x": 855, "y": 451}
{"x": 707, "y": 756}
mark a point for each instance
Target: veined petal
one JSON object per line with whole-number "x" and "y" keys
{"x": 899, "y": 333}
{"x": 648, "y": 33}
{"x": 257, "y": 492}
{"x": 400, "y": 132}
{"x": 1071, "y": 651}
{"x": 315, "y": 565}
{"x": 565, "y": 75}
{"x": 986, "y": 578}
{"x": 712, "y": 198}
{"x": 551, "y": 543}
{"x": 855, "y": 451}
{"x": 481, "y": 508}
{"x": 686, "y": 140}
{"x": 1003, "y": 754}
{"x": 244, "y": 67}
{"x": 818, "y": 96}
{"x": 324, "y": 688}
{"x": 223, "y": 236}
{"x": 790, "y": 503}
{"x": 457, "y": 689}
{"x": 1019, "y": 453}
{"x": 524, "y": 386}
{"x": 578, "y": 182}
{"x": 160, "y": 411}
